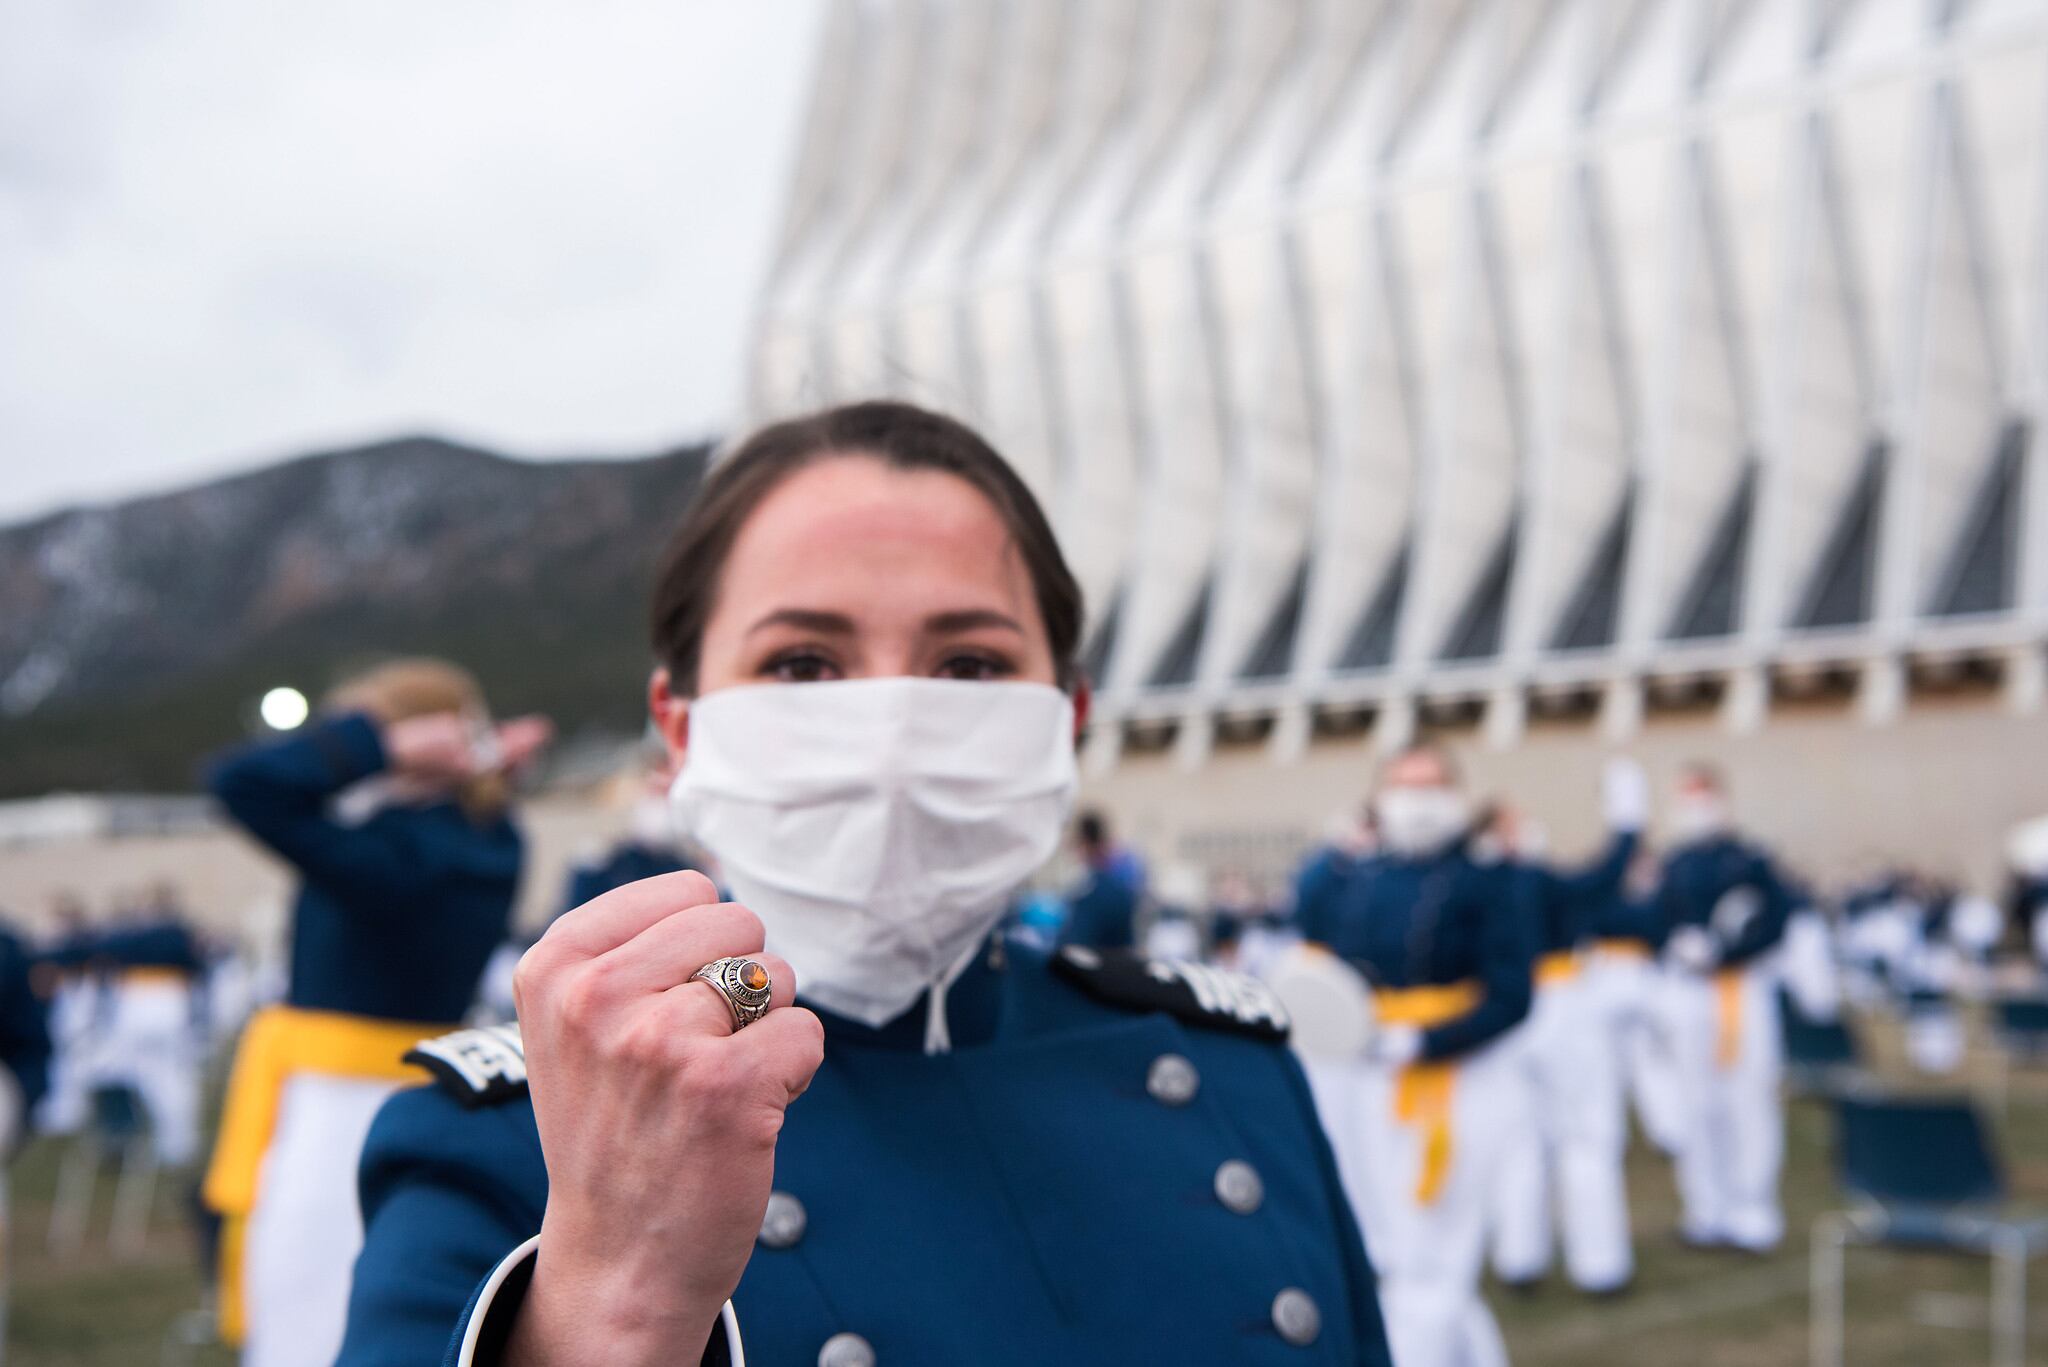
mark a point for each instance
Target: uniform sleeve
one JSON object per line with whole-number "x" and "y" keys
{"x": 1313, "y": 890}
{"x": 278, "y": 791}
{"x": 446, "y": 1193}
{"x": 1508, "y": 927}
{"x": 24, "y": 1026}
{"x": 1767, "y": 927}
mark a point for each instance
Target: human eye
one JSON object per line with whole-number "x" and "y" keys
{"x": 799, "y": 665}
{"x": 975, "y": 666}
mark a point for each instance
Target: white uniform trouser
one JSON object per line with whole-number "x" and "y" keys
{"x": 74, "y": 1032}
{"x": 1734, "y": 1137}
{"x": 1566, "y": 1147}
{"x": 306, "y": 1230}
{"x": 1429, "y": 1254}
{"x": 150, "y": 1046}
{"x": 1633, "y": 1014}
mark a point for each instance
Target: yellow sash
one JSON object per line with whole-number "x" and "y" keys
{"x": 1727, "y": 1017}
{"x": 154, "y": 974}
{"x": 1619, "y": 948}
{"x": 1423, "y": 1091}
{"x": 1560, "y": 967}
{"x": 278, "y": 1042}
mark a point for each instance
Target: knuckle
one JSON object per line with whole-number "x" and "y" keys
{"x": 579, "y": 1002}
{"x": 697, "y": 887}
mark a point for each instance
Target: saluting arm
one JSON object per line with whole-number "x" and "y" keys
{"x": 278, "y": 791}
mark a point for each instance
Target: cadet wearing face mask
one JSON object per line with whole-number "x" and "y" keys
{"x": 1446, "y": 943}
{"x": 1726, "y": 907}
{"x": 393, "y": 810}
{"x": 952, "y": 1151}
{"x": 1569, "y": 1156}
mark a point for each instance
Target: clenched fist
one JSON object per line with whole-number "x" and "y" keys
{"x": 657, "y": 1120}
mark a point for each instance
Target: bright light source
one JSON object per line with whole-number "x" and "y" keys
{"x": 284, "y": 709}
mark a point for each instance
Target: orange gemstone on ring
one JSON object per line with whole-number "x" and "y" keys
{"x": 754, "y": 977}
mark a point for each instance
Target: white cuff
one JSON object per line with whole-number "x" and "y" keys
{"x": 517, "y": 1261}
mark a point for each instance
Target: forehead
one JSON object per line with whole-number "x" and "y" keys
{"x": 849, "y": 518}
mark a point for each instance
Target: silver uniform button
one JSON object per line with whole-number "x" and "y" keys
{"x": 846, "y": 1350}
{"x": 1296, "y": 1317}
{"x": 1238, "y": 1187}
{"x": 1172, "y": 1080}
{"x": 784, "y": 1222}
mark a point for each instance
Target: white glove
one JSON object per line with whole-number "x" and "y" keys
{"x": 1625, "y": 795}
{"x": 1693, "y": 948}
{"x": 1394, "y": 1046}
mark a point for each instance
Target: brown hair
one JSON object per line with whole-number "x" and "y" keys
{"x": 902, "y": 436}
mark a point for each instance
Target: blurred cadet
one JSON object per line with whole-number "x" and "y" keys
{"x": 1248, "y": 931}
{"x": 1102, "y": 912}
{"x": 66, "y": 980}
{"x": 151, "y": 1044}
{"x": 2027, "y": 905}
{"x": 393, "y": 807}
{"x": 1172, "y": 931}
{"x": 1320, "y": 882}
{"x": 1806, "y": 958}
{"x": 977, "y": 1154}
{"x": 1629, "y": 1002}
{"x": 1567, "y": 1154}
{"x": 648, "y": 848}
{"x": 1446, "y": 944}
{"x": 1726, "y": 908}
{"x": 24, "y": 1048}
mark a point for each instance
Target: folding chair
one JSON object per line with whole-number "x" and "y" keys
{"x": 2022, "y": 1024}
{"x": 1820, "y": 1056}
{"x": 118, "y": 1125}
{"x": 1922, "y": 1175}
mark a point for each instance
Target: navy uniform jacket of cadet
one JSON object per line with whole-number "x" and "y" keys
{"x": 1699, "y": 875}
{"x": 1319, "y": 891}
{"x": 1569, "y": 904}
{"x": 1622, "y": 917}
{"x": 1439, "y": 920}
{"x": 628, "y": 862}
{"x": 1104, "y": 912}
{"x": 398, "y": 914}
{"x": 24, "y": 1023}
{"x": 1076, "y": 1182}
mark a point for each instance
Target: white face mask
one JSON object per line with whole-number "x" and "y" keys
{"x": 1420, "y": 821}
{"x": 651, "y": 825}
{"x": 878, "y": 827}
{"x": 1698, "y": 816}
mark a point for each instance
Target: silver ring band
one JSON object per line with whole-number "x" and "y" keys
{"x": 744, "y": 983}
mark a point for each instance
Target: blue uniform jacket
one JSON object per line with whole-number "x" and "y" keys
{"x": 397, "y": 915}
{"x": 24, "y": 1023}
{"x": 1319, "y": 891}
{"x": 1035, "y": 1196}
{"x": 1104, "y": 913}
{"x": 629, "y": 862}
{"x": 159, "y": 944}
{"x": 1698, "y": 875}
{"x": 1445, "y": 919}
{"x": 1569, "y": 902}
{"x": 1622, "y": 917}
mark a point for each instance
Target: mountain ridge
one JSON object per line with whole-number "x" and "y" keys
{"x": 135, "y": 635}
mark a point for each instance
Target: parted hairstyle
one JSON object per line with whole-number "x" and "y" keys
{"x": 901, "y": 436}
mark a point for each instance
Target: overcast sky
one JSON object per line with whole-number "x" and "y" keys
{"x": 234, "y": 230}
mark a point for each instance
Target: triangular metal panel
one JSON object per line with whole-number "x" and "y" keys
{"x": 1592, "y": 617}
{"x": 1372, "y": 640}
{"x": 1176, "y": 664}
{"x": 1983, "y": 566}
{"x": 1712, "y": 604}
{"x": 1272, "y": 654}
{"x": 1476, "y": 634}
{"x": 1843, "y": 586}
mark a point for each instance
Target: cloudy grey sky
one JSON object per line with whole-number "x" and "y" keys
{"x": 232, "y": 230}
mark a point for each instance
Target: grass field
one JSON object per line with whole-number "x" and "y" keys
{"x": 1688, "y": 1309}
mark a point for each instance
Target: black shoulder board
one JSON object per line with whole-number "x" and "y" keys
{"x": 477, "y": 1067}
{"x": 1192, "y": 992}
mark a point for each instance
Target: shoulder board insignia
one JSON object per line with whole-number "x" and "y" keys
{"x": 1188, "y": 991}
{"x": 477, "y": 1067}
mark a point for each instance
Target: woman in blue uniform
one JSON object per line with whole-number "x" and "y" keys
{"x": 393, "y": 811}
{"x": 952, "y": 1151}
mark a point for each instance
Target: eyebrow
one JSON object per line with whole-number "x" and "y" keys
{"x": 839, "y": 624}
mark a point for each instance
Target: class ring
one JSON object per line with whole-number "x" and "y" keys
{"x": 745, "y": 985}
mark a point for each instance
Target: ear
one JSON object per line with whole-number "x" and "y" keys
{"x": 670, "y": 712}
{"x": 1083, "y": 700}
